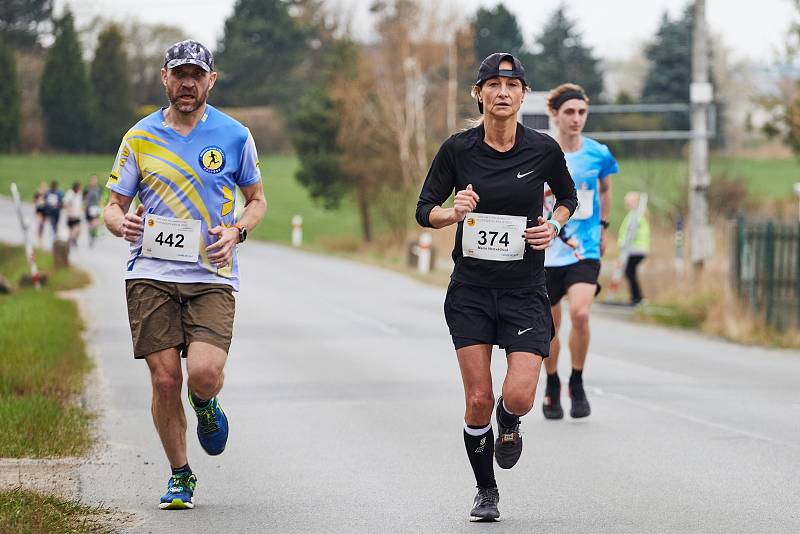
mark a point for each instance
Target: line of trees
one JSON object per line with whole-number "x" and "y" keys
{"x": 85, "y": 111}
{"x": 52, "y": 97}
{"x": 363, "y": 118}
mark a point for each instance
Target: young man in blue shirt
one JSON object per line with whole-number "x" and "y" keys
{"x": 572, "y": 262}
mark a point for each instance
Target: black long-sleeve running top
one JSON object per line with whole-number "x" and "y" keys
{"x": 508, "y": 183}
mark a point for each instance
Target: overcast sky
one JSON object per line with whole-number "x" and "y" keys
{"x": 751, "y": 29}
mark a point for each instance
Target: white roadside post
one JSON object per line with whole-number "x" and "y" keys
{"x": 424, "y": 252}
{"x": 297, "y": 231}
{"x": 797, "y": 192}
{"x": 23, "y": 221}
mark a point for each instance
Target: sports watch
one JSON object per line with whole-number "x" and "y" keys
{"x": 242, "y": 233}
{"x": 604, "y": 223}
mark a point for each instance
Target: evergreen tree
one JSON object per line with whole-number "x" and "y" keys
{"x": 9, "y": 99}
{"x": 562, "y": 58}
{"x": 113, "y": 106}
{"x": 314, "y": 133}
{"x": 262, "y": 46}
{"x": 64, "y": 93}
{"x": 497, "y": 30}
{"x": 670, "y": 73}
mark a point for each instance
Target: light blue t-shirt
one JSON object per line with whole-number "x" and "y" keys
{"x": 580, "y": 237}
{"x": 186, "y": 177}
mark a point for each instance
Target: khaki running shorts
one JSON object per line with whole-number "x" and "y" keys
{"x": 164, "y": 315}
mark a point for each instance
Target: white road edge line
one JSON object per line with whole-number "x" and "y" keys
{"x": 693, "y": 419}
{"x": 364, "y": 319}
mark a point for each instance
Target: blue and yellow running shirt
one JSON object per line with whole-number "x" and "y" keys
{"x": 580, "y": 237}
{"x": 186, "y": 177}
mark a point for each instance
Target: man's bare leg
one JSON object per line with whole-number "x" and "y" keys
{"x": 551, "y": 405}
{"x": 167, "y": 409}
{"x": 204, "y": 365}
{"x": 580, "y": 296}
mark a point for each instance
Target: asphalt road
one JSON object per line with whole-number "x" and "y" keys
{"x": 345, "y": 404}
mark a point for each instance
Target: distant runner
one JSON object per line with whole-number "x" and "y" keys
{"x": 572, "y": 263}
{"x": 73, "y": 208}
{"x": 40, "y": 205}
{"x": 53, "y": 202}
{"x": 183, "y": 267}
{"x": 497, "y": 290}
{"x": 92, "y": 195}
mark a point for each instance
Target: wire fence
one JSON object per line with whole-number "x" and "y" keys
{"x": 765, "y": 264}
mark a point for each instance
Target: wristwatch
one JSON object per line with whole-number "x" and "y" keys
{"x": 604, "y": 223}
{"x": 242, "y": 233}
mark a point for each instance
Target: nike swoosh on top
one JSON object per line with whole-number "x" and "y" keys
{"x": 520, "y": 175}
{"x": 520, "y": 332}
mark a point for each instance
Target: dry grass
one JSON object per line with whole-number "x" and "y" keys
{"x": 701, "y": 300}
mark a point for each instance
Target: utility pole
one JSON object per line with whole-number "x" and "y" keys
{"x": 702, "y": 93}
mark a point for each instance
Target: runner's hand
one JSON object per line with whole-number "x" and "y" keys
{"x": 540, "y": 237}
{"x": 465, "y": 202}
{"x": 133, "y": 225}
{"x": 221, "y": 252}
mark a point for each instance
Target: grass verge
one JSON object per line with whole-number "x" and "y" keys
{"x": 28, "y": 511}
{"x": 43, "y": 367}
{"x": 699, "y": 301}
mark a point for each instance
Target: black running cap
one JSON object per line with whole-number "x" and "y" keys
{"x": 490, "y": 68}
{"x": 189, "y": 52}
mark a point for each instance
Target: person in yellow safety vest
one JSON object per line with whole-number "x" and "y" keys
{"x": 638, "y": 244}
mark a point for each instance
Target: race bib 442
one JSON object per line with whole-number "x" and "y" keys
{"x": 493, "y": 237}
{"x": 171, "y": 239}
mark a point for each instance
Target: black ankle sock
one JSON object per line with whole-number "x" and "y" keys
{"x": 576, "y": 377}
{"x": 504, "y": 417}
{"x": 553, "y": 382}
{"x": 199, "y": 403}
{"x": 181, "y": 470}
{"x": 480, "y": 451}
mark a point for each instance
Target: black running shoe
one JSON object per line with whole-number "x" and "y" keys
{"x": 484, "y": 508}
{"x": 508, "y": 445}
{"x": 551, "y": 406}
{"x": 580, "y": 404}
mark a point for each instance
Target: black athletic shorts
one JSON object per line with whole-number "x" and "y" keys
{"x": 515, "y": 319}
{"x": 560, "y": 278}
{"x": 73, "y": 221}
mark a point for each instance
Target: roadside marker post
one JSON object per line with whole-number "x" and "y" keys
{"x": 297, "y": 231}
{"x": 797, "y": 192}
{"x": 26, "y": 236}
{"x": 424, "y": 252}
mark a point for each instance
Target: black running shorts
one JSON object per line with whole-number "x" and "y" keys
{"x": 515, "y": 319}
{"x": 560, "y": 278}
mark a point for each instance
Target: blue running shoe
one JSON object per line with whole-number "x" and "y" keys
{"x": 212, "y": 426}
{"x": 180, "y": 492}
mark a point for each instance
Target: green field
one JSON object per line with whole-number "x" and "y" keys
{"x": 664, "y": 179}
{"x": 667, "y": 180}
{"x": 43, "y": 365}
{"x": 285, "y": 197}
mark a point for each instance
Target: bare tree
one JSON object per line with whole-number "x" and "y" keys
{"x": 394, "y": 106}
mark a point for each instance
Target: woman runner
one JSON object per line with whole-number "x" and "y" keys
{"x": 497, "y": 292}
